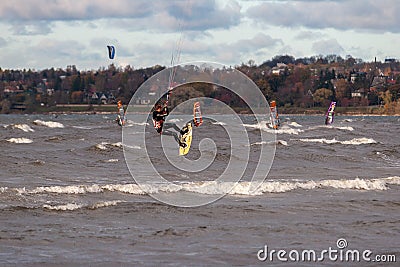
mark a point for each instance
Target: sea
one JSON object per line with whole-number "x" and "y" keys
{"x": 77, "y": 190}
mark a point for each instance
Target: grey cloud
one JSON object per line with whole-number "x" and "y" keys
{"x": 203, "y": 15}
{"x": 327, "y": 47}
{"x": 242, "y": 49}
{"x": 50, "y": 49}
{"x": 309, "y": 35}
{"x": 355, "y": 14}
{"x": 259, "y": 41}
{"x": 159, "y": 14}
{"x": 190, "y": 16}
{"x": 31, "y": 28}
{"x": 72, "y": 10}
{"x": 3, "y": 42}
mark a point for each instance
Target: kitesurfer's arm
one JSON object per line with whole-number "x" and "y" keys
{"x": 165, "y": 111}
{"x": 159, "y": 116}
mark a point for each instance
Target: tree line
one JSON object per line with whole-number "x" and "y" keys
{"x": 303, "y": 82}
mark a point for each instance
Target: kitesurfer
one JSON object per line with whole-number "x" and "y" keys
{"x": 159, "y": 114}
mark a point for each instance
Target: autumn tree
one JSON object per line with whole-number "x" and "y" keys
{"x": 323, "y": 96}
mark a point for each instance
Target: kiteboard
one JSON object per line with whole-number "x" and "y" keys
{"x": 330, "y": 113}
{"x": 198, "y": 118}
{"x": 186, "y": 138}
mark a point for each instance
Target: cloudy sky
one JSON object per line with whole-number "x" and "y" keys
{"x": 42, "y": 34}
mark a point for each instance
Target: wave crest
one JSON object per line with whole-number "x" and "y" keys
{"x": 354, "y": 141}
{"x": 214, "y": 187}
{"x": 50, "y": 124}
{"x": 20, "y": 140}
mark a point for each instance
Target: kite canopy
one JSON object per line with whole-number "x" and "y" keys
{"x": 111, "y": 51}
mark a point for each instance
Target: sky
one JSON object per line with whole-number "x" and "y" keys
{"x": 42, "y": 34}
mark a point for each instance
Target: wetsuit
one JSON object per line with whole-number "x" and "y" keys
{"x": 158, "y": 120}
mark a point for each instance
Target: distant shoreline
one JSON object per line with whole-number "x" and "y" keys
{"x": 283, "y": 111}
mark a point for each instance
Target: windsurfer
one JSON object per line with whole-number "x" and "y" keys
{"x": 121, "y": 114}
{"x": 330, "y": 113}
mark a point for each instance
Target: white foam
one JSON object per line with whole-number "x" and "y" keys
{"x": 282, "y": 142}
{"x": 105, "y": 145}
{"x": 69, "y": 189}
{"x": 359, "y": 141}
{"x": 112, "y": 160}
{"x": 65, "y": 207}
{"x": 104, "y": 204}
{"x": 50, "y": 124}
{"x": 74, "y": 206}
{"x": 24, "y": 127}
{"x": 3, "y": 189}
{"x": 277, "y": 142}
{"x": 101, "y": 146}
{"x": 287, "y": 130}
{"x": 295, "y": 124}
{"x": 83, "y": 127}
{"x": 260, "y": 125}
{"x": 117, "y": 144}
{"x": 344, "y": 128}
{"x": 354, "y": 141}
{"x": 213, "y": 187}
{"x": 129, "y": 122}
{"x": 393, "y": 180}
{"x": 133, "y": 147}
{"x": 20, "y": 140}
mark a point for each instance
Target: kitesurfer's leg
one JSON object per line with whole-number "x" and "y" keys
{"x": 174, "y": 134}
{"x": 171, "y": 125}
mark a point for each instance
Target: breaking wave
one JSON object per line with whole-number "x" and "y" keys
{"x": 354, "y": 141}
{"x": 106, "y": 146}
{"x": 285, "y": 129}
{"x": 24, "y": 127}
{"x": 214, "y": 187}
{"x": 295, "y": 124}
{"x": 20, "y": 140}
{"x": 343, "y": 128}
{"x": 103, "y": 146}
{"x": 50, "y": 124}
{"x": 277, "y": 142}
{"x": 131, "y": 123}
{"x": 74, "y": 206}
{"x": 219, "y": 123}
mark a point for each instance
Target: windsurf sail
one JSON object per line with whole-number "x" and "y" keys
{"x": 197, "y": 117}
{"x": 330, "y": 113}
{"x": 111, "y": 51}
{"x": 275, "y": 122}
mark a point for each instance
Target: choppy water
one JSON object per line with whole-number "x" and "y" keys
{"x": 68, "y": 198}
